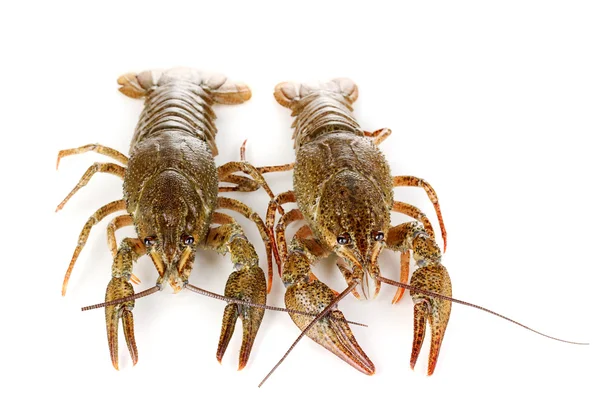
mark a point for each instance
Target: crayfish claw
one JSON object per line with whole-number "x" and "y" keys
{"x": 119, "y": 287}
{"x": 249, "y": 285}
{"x": 129, "y": 335}
{"x": 229, "y": 318}
{"x": 427, "y": 309}
{"x": 331, "y": 332}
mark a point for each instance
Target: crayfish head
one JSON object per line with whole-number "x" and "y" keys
{"x": 354, "y": 220}
{"x": 171, "y": 223}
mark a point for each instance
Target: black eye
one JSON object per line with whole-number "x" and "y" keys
{"x": 378, "y": 236}
{"x": 343, "y": 239}
{"x": 188, "y": 239}
{"x": 149, "y": 241}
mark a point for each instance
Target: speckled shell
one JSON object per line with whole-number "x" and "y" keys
{"x": 338, "y": 167}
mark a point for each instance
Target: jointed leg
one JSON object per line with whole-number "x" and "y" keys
{"x": 230, "y": 238}
{"x": 118, "y": 223}
{"x": 412, "y": 236}
{"x": 85, "y": 232}
{"x": 415, "y": 213}
{"x": 235, "y": 205}
{"x": 275, "y": 204}
{"x": 220, "y": 219}
{"x": 276, "y": 168}
{"x": 246, "y": 283}
{"x": 110, "y": 168}
{"x": 243, "y": 184}
{"x": 305, "y": 242}
{"x": 230, "y": 168}
{"x": 114, "y": 225}
{"x": 102, "y": 150}
{"x": 266, "y": 169}
{"x": 421, "y": 183}
{"x": 286, "y": 219}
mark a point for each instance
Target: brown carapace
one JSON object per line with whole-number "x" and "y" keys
{"x": 171, "y": 197}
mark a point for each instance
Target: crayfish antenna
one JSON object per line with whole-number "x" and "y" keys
{"x": 210, "y": 294}
{"x": 231, "y": 300}
{"x": 454, "y": 300}
{"x": 123, "y": 300}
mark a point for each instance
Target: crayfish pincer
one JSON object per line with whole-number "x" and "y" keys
{"x": 171, "y": 197}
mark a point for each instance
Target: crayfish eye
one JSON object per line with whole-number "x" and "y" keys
{"x": 187, "y": 240}
{"x": 149, "y": 241}
{"x": 343, "y": 239}
{"x": 378, "y": 236}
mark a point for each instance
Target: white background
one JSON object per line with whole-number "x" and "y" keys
{"x": 496, "y": 105}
